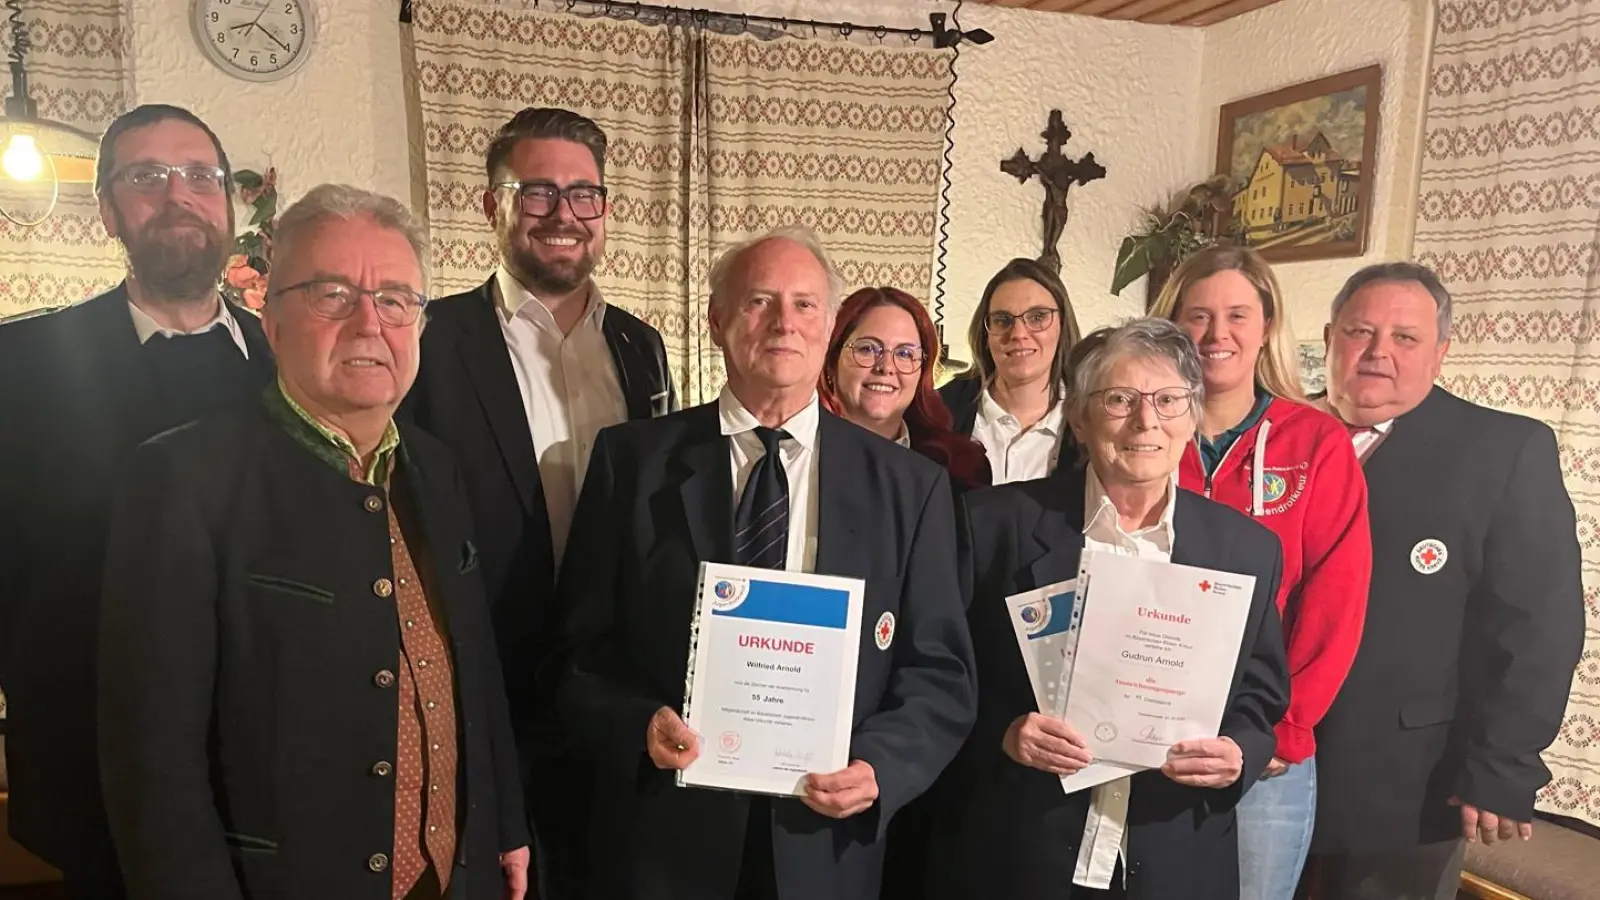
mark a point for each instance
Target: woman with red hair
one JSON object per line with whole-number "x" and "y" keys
{"x": 879, "y": 375}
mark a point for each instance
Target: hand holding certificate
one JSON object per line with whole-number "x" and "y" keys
{"x": 1156, "y": 656}
{"x": 771, "y": 684}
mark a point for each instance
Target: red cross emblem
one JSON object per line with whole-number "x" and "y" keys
{"x": 884, "y": 632}
{"x": 1205, "y": 585}
{"x": 1428, "y": 556}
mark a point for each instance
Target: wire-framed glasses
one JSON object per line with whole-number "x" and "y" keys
{"x": 152, "y": 178}
{"x": 1169, "y": 403}
{"x": 540, "y": 198}
{"x": 1036, "y": 319}
{"x": 866, "y": 353}
{"x": 397, "y": 307}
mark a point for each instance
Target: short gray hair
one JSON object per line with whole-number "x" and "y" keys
{"x": 722, "y": 269}
{"x": 1149, "y": 338}
{"x": 1397, "y": 271}
{"x": 341, "y": 201}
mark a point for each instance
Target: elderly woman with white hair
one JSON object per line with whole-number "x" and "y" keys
{"x": 1006, "y": 828}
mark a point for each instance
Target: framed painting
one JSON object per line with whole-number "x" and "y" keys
{"x": 1313, "y": 364}
{"x": 1301, "y": 161}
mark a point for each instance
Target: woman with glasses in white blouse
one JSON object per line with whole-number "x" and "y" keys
{"x": 1005, "y": 828}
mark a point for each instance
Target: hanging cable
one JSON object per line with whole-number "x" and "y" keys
{"x": 940, "y": 248}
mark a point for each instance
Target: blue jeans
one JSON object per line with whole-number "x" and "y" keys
{"x": 1275, "y": 819}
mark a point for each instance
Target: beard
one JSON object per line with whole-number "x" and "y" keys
{"x": 543, "y": 277}
{"x": 177, "y": 255}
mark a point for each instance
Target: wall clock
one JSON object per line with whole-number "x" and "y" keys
{"x": 257, "y": 40}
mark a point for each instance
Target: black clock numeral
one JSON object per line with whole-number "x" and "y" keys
{"x": 253, "y": 62}
{"x": 274, "y": 59}
{"x": 294, "y": 29}
{"x": 213, "y": 16}
{"x": 222, "y": 37}
{"x": 288, "y": 9}
{"x": 236, "y": 53}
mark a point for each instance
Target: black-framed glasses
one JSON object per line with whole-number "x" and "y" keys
{"x": 397, "y": 307}
{"x": 866, "y": 353}
{"x": 152, "y": 178}
{"x": 540, "y": 198}
{"x": 1036, "y": 319}
{"x": 1169, "y": 403}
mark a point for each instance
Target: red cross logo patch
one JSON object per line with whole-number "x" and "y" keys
{"x": 883, "y": 632}
{"x": 1205, "y": 586}
{"x": 1429, "y": 556}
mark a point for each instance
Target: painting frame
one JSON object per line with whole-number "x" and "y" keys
{"x": 1368, "y": 77}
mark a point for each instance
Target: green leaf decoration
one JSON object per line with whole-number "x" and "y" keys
{"x": 245, "y": 178}
{"x": 1133, "y": 262}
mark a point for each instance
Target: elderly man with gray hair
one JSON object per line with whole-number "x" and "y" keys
{"x": 299, "y": 692}
{"x": 761, "y": 476}
{"x": 1134, "y": 402}
{"x": 1475, "y": 617}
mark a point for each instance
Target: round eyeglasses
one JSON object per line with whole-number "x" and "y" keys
{"x": 1169, "y": 403}
{"x": 1036, "y": 319}
{"x": 396, "y": 307}
{"x": 539, "y": 199}
{"x": 866, "y": 353}
{"x": 152, "y": 178}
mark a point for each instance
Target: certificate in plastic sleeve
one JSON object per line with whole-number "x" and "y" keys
{"x": 771, "y": 683}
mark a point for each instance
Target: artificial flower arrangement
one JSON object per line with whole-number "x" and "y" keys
{"x": 244, "y": 280}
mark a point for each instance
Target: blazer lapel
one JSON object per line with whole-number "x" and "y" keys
{"x": 1058, "y": 533}
{"x": 115, "y": 356}
{"x": 634, "y": 368}
{"x": 706, "y": 488}
{"x": 840, "y": 508}
{"x": 1192, "y": 545}
{"x": 483, "y": 352}
{"x": 255, "y": 340}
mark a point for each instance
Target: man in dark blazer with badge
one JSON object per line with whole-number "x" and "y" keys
{"x": 82, "y": 387}
{"x": 518, "y": 375}
{"x": 1475, "y": 620}
{"x": 663, "y": 496}
{"x": 299, "y": 689}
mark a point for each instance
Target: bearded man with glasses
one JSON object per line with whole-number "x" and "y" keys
{"x": 83, "y": 386}
{"x": 518, "y": 377}
{"x": 326, "y": 716}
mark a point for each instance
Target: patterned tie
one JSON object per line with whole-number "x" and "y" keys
{"x": 761, "y": 523}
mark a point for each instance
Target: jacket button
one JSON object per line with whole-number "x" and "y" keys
{"x": 384, "y": 678}
{"x": 383, "y": 587}
{"x": 377, "y": 862}
{"x": 382, "y": 768}
{"x": 374, "y": 504}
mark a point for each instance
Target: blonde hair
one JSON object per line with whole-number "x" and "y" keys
{"x": 1277, "y": 371}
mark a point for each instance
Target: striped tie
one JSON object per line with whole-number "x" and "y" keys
{"x": 761, "y": 523}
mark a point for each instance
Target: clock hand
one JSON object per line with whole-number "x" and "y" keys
{"x": 274, "y": 38}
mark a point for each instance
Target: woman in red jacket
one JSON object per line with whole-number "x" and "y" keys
{"x": 1266, "y": 453}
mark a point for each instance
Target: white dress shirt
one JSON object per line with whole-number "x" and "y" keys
{"x": 146, "y": 327}
{"x": 1365, "y": 440}
{"x": 1016, "y": 453}
{"x": 1105, "y": 835}
{"x": 569, "y": 391}
{"x": 799, "y": 451}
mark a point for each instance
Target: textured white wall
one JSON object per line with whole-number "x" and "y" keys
{"x": 1299, "y": 40}
{"x": 341, "y": 117}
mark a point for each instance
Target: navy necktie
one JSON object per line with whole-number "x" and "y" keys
{"x": 761, "y": 522}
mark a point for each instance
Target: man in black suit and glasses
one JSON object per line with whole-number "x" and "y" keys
{"x": 82, "y": 387}
{"x": 759, "y": 477}
{"x": 518, "y": 375}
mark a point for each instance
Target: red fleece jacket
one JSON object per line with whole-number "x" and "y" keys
{"x": 1297, "y": 473}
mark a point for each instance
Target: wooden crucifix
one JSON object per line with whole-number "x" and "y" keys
{"x": 1057, "y": 172}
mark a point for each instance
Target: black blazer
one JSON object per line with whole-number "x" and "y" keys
{"x": 1462, "y": 676}
{"x": 658, "y": 499}
{"x": 963, "y": 394}
{"x": 1006, "y": 830}
{"x": 466, "y": 395}
{"x": 79, "y": 396}
{"x": 241, "y": 717}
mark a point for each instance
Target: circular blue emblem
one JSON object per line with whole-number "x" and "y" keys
{"x": 1030, "y": 615}
{"x": 724, "y": 590}
{"x": 1273, "y": 487}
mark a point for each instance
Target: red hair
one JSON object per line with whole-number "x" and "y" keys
{"x": 928, "y": 420}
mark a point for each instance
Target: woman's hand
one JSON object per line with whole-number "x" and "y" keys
{"x": 1047, "y": 744}
{"x": 1208, "y": 763}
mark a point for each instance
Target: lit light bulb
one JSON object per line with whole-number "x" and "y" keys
{"x": 22, "y": 160}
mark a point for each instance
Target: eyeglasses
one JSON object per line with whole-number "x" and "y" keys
{"x": 1037, "y": 319}
{"x": 397, "y": 307}
{"x": 152, "y": 178}
{"x": 1169, "y": 403}
{"x": 540, "y": 198}
{"x": 866, "y": 353}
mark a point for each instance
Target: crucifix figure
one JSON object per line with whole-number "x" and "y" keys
{"x": 1058, "y": 173}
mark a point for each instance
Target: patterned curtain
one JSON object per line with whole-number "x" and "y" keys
{"x": 714, "y": 139}
{"x": 75, "y": 73}
{"x": 1509, "y": 216}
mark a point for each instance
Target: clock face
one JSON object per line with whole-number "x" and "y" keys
{"x": 257, "y": 40}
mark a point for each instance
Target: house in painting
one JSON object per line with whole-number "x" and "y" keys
{"x": 1297, "y": 184}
